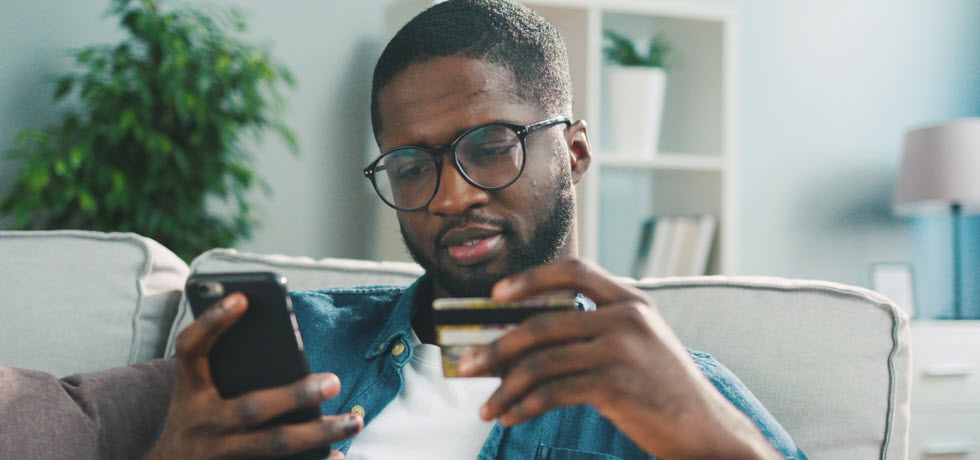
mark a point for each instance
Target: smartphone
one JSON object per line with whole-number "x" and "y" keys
{"x": 264, "y": 348}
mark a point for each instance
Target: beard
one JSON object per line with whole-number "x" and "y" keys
{"x": 545, "y": 246}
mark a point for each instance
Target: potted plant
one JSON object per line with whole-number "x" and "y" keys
{"x": 634, "y": 93}
{"x": 154, "y": 145}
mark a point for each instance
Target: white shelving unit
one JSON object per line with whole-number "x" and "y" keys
{"x": 695, "y": 172}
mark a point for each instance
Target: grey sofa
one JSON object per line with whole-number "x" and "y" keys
{"x": 831, "y": 362}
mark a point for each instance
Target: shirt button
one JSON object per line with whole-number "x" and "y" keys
{"x": 358, "y": 411}
{"x": 398, "y": 349}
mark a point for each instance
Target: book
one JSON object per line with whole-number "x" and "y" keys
{"x": 644, "y": 248}
{"x": 662, "y": 240}
{"x": 702, "y": 246}
{"x": 674, "y": 246}
{"x": 682, "y": 246}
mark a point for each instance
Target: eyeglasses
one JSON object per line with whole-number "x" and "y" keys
{"x": 490, "y": 157}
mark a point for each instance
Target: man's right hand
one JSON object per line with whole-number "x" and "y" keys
{"x": 202, "y": 425}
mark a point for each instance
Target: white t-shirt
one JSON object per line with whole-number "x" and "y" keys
{"x": 432, "y": 418}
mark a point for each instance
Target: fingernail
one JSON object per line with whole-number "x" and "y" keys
{"x": 485, "y": 412}
{"x": 352, "y": 424}
{"x": 231, "y": 302}
{"x": 336, "y": 455}
{"x": 468, "y": 364}
{"x": 503, "y": 287}
{"x": 327, "y": 386}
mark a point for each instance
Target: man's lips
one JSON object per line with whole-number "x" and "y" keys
{"x": 476, "y": 251}
{"x": 472, "y": 245}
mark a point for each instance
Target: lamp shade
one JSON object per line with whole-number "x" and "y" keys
{"x": 940, "y": 168}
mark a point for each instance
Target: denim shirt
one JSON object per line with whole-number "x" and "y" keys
{"x": 353, "y": 332}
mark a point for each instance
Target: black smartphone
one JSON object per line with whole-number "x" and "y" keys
{"x": 264, "y": 348}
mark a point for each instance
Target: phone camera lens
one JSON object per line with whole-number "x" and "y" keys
{"x": 209, "y": 289}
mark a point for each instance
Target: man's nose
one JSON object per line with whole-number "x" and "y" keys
{"x": 455, "y": 195}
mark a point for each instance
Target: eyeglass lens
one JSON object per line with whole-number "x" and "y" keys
{"x": 490, "y": 157}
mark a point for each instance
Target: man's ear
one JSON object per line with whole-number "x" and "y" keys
{"x": 580, "y": 154}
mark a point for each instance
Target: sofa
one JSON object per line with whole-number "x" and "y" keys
{"x": 831, "y": 362}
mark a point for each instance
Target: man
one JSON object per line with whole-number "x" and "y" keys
{"x": 470, "y": 105}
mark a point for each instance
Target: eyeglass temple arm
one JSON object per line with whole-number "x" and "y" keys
{"x": 546, "y": 123}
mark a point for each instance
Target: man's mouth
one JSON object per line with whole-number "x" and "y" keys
{"x": 472, "y": 245}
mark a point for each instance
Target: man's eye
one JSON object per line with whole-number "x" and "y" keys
{"x": 494, "y": 150}
{"x": 413, "y": 171}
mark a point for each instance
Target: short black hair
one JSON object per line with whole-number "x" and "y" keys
{"x": 497, "y": 31}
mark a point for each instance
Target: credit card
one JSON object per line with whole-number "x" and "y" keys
{"x": 463, "y": 324}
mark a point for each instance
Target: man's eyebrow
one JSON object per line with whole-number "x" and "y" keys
{"x": 456, "y": 134}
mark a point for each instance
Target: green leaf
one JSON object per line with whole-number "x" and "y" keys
{"x": 37, "y": 178}
{"x": 60, "y": 168}
{"x": 622, "y": 51}
{"x": 87, "y": 202}
{"x": 64, "y": 86}
{"x": 127, "y": 120}
{"x": 118, "y": 180}
{"x": 76, "y": 156}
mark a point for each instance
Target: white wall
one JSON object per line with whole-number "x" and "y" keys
{"x": 828, "y": 89}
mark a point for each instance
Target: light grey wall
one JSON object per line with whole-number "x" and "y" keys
{"x": 827, "y": 89}
{"x": 35, "y": 38}
{"x": 322, "y": 206}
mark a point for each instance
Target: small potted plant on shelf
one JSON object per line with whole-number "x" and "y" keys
{"x": 634, "y": 93}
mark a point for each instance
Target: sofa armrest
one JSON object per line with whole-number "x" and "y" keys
{"x": 77, "y": 301}
{"x": 112, "y": 414}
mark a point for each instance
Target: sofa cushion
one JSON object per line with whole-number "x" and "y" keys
{"x": 830, "y": 362}
{"x": 75, "y": 301}
{"x": 301, "y": 273}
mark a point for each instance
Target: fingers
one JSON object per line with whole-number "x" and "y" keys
{"x": 539, "y": 366}
{"x": 585, "y": 277}
{"x": 289, "y": 439}
{"x": 571, "y": 390}
{"x": 260, "y": 406}
{"x": 195, "y": 341}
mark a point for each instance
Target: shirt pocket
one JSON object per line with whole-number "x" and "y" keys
{"x": 555, "y": 453}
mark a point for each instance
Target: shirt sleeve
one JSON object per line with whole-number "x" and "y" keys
{"x": 112, "y": 414}
{"x": 738, "y": 394}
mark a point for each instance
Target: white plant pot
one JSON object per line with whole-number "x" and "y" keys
{"x": 635, "y": 100}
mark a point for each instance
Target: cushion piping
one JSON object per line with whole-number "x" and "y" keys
{"x": 892, "y": 390}
{"x": 230, "y": 255}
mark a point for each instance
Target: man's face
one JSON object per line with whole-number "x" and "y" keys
{"x": 468, "y": 238}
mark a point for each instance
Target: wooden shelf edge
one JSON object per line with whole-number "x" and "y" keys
{"x": 672, "y": 161}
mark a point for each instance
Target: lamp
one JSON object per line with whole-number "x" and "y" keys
{"x": 941, "y": 173}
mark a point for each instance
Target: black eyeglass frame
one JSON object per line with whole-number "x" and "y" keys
{"x": 522, "y": 132}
